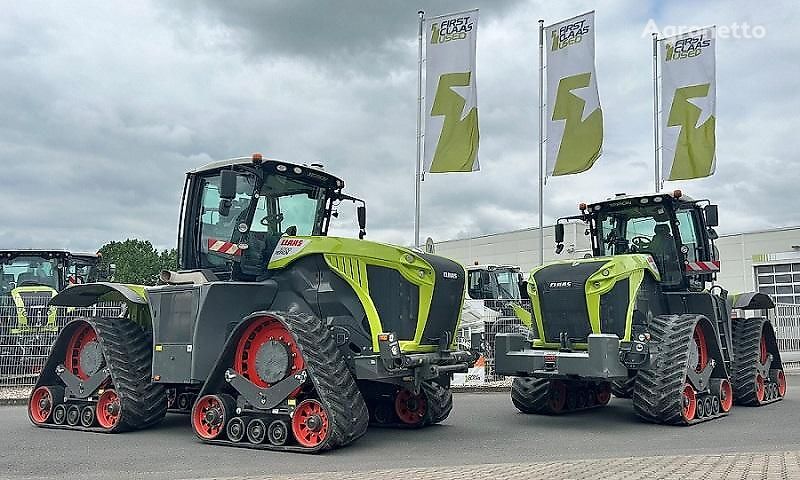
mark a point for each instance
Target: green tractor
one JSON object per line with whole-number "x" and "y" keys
{"x": 29, "y": 279}
{"x": 272, "y": 335}
{"x": 643, "y": 319}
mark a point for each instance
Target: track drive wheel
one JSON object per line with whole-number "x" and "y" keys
{"x": 310, "y": 424}
{"x": 411, "y": 409}
{"x": 210, "y": 414}
{"x": 42, "y": 402}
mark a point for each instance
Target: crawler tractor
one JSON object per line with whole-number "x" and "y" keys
{"x": 643, "y": 319}
{"x": 272, "y": 335}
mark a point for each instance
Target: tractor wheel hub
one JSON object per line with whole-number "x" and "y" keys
{"x": 314, "y": 423}
{"x": 91, "y": 358}
{"x": 273, "y": 361}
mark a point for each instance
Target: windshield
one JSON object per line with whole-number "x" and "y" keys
{"x": 81, "y": 271}
{"x": 493, "y": 284}
{"x": 282, "y": 206}
{"x": 641, "y": 229}
{"x": 28, "y": 271}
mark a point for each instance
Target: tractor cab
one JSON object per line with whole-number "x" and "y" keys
{"x": 37, "y": 269}
{"x": 494, "y": 282}
{"x": 235, "y": 213}
{"x": 675, "y": 230}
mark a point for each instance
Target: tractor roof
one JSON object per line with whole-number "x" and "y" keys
{"x": 623, "y": 199}
{"x": 491, "y": 266}
{"x": 314, "y": 169}
{"x": 34, "y": 252}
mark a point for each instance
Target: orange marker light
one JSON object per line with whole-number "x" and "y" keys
{"x": 257, "y": 158}
{"x": 383, "y": 337}
{"x": 677, "y": 194}
{"x": 582, "y": 206}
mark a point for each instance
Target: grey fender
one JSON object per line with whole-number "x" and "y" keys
{"x": 88, "y": 294}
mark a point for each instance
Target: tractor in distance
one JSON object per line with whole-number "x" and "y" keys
{"x": 29, "y": 279}
{"x": 272, "y": 335}
{"x": 644, "y": 317}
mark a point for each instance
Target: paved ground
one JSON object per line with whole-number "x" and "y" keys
{"x": 483, "y": 438}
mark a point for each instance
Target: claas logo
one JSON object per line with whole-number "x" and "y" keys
{"x": 291, "y": 242}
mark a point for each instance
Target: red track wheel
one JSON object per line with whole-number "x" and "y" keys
{"x": 688, "y": 402}
{"x": 267, "y": 353}
{"x": 410, "y": 408}
{"x": 725, "y": 396}
{"x": 209, "y": 417}
{"x": 698, "y": 350}
{"x": 310, "y": 424}
{"x": 84, "y": 356}
{"x": 41, "y": 404}
{"x": 603, "y": 393}
{"x": 108, "y": 409}
{"x": 558, "y": 396}
{"x": 781, "y": 381}
{"x": 760, "y": 388}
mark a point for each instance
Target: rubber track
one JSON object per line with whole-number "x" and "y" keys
{"x": 623, "y": 388}
{"x": 440, "y": 401}
{"x": 531, "y": 395}
{"x": 746, "y": 354}
{"x": 128, "y": 353}
{"x": 333, "y": 381}
{"x": 657, "y": 394}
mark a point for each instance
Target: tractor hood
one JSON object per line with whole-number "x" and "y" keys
{"x": 591, "y": 295}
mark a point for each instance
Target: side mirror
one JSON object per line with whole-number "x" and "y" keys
{"x": 224, "y": 207}
{"x": 227, "y": 184}
{"x": 362, "y": 221}
{"x": 559, "y": 233}
{"x": 712, "y": 215}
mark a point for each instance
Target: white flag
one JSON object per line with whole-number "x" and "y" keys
{"x": 574, "y": 117}
{"x": 688, "y": 105}
{"x": 451, "y": 98}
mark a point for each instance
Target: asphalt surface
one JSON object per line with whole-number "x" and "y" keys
{"x": 484, "y": 428}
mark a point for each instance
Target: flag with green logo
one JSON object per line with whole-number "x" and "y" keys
{"x": 451, "y": 98}
{"x": 574, "y": 117}
{"x": 688, "y": 105}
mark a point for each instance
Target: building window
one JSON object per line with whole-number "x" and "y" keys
{"x": 779, "y": 281}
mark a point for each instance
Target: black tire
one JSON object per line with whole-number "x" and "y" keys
{"x": 623, "y": 388}
{"x": 530, "y": 395}
{"x": 332, "y": 378}
{"x": 128, "y": 351}
{"x": 440, "y": 401}
{"x": 658, "y": 391}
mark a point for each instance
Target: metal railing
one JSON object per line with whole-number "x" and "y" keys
{"x": 481, "y": 321}
{"x": 28, "y": 329}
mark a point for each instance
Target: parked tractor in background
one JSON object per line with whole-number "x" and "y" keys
{"x": 273, "y": 335}
{"x": 644, "y": 314}
{"x": 29, "y": 279}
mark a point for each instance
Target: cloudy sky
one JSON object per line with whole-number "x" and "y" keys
{"x": 105, "y": 105}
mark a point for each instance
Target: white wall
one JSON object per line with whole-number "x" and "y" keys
{"x": 521, "y": 248}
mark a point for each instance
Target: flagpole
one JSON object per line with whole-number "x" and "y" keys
{"x": 541, "y": 142}
{"x": 655, "y": 112}
{"x": 419, "y": 174}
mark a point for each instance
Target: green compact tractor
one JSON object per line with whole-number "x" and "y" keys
{"x": 643, "y": 319}
{"x": 272, "y": 335}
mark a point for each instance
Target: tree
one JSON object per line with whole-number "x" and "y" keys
{"x": 137, "y": 261}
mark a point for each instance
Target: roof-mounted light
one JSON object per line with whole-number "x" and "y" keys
{"x": 297, "y": 170}
{"x": 257, "y": 158}
{"x": 677, "y": 194}
{"x": 280, "y": 168}
{"x": 582, "y": 206}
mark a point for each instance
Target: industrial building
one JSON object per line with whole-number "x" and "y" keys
{"x": 767, "y": 260}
